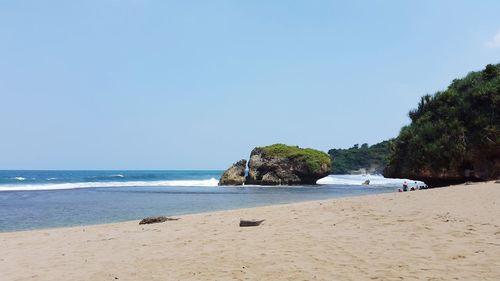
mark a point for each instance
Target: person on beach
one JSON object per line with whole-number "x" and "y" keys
{"x": 405, "y": 186}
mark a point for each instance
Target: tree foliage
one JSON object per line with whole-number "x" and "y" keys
{"x": 345, "y": 161}
{"x": 313, "y": 158}
{"x": 450, "y": 128}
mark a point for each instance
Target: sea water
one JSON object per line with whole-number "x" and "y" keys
{"x": 46, "y": 199}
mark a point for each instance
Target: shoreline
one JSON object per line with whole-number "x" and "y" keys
{"x": 28, "y": 210}
{"x": 192, "y": 214}
{"x": 441, "y": 233}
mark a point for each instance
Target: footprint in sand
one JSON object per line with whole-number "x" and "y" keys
{"x": 470, "y": 227}
{"x": 457, "y": 257}
{"x": 460, "y": 234}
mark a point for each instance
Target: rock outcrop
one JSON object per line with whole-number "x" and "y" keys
{"x": 235, "y": 175}
{"x": 478, "y": 167}
{"x": 280, "y": 164}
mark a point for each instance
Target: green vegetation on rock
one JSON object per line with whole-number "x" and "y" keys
{"x": 372, "y": 159}
{"x": 313, "y": 158}
{"x": 453, "y": 130}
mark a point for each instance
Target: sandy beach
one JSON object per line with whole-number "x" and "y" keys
{"x": 450, "y": 233}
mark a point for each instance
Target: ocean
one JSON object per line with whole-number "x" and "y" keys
{"x": 47, "y": 199}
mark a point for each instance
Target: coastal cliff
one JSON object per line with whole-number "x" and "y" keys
{"x": 454, "y": 135}
{"x": 281, "y": 164}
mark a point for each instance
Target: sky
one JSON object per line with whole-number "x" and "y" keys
{"x": 139, "y": 84}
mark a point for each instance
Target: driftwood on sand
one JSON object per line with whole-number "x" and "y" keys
{"x": 244, "y": 223}
{"x": 159, "y": 219}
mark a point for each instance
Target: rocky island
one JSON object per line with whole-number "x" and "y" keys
{"x": 279, "y": 164}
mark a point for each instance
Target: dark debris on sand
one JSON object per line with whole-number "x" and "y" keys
{"x": 150, "y": 220}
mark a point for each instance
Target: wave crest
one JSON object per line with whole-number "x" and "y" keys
{"x": 375, "y": 180}
{"x": 77, "y": 185}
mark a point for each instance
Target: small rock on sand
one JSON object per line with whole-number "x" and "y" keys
{"x": 159, "y": 219}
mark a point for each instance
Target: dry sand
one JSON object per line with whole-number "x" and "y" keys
{"x": 442, "y": 234}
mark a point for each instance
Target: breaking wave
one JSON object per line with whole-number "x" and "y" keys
{"x": 117, "y": 180}
{"x": 76, "y": 185}
{"x": 375, "y": 180}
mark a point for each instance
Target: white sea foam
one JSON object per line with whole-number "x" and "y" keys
{"x": 375, "y": 180}
{"x": 76, "y": 185}
{"x": 340, "y": 180}
{"x": 19, "y": 178}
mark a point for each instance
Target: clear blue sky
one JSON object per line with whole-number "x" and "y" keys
{"x": 197, "y": 84}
